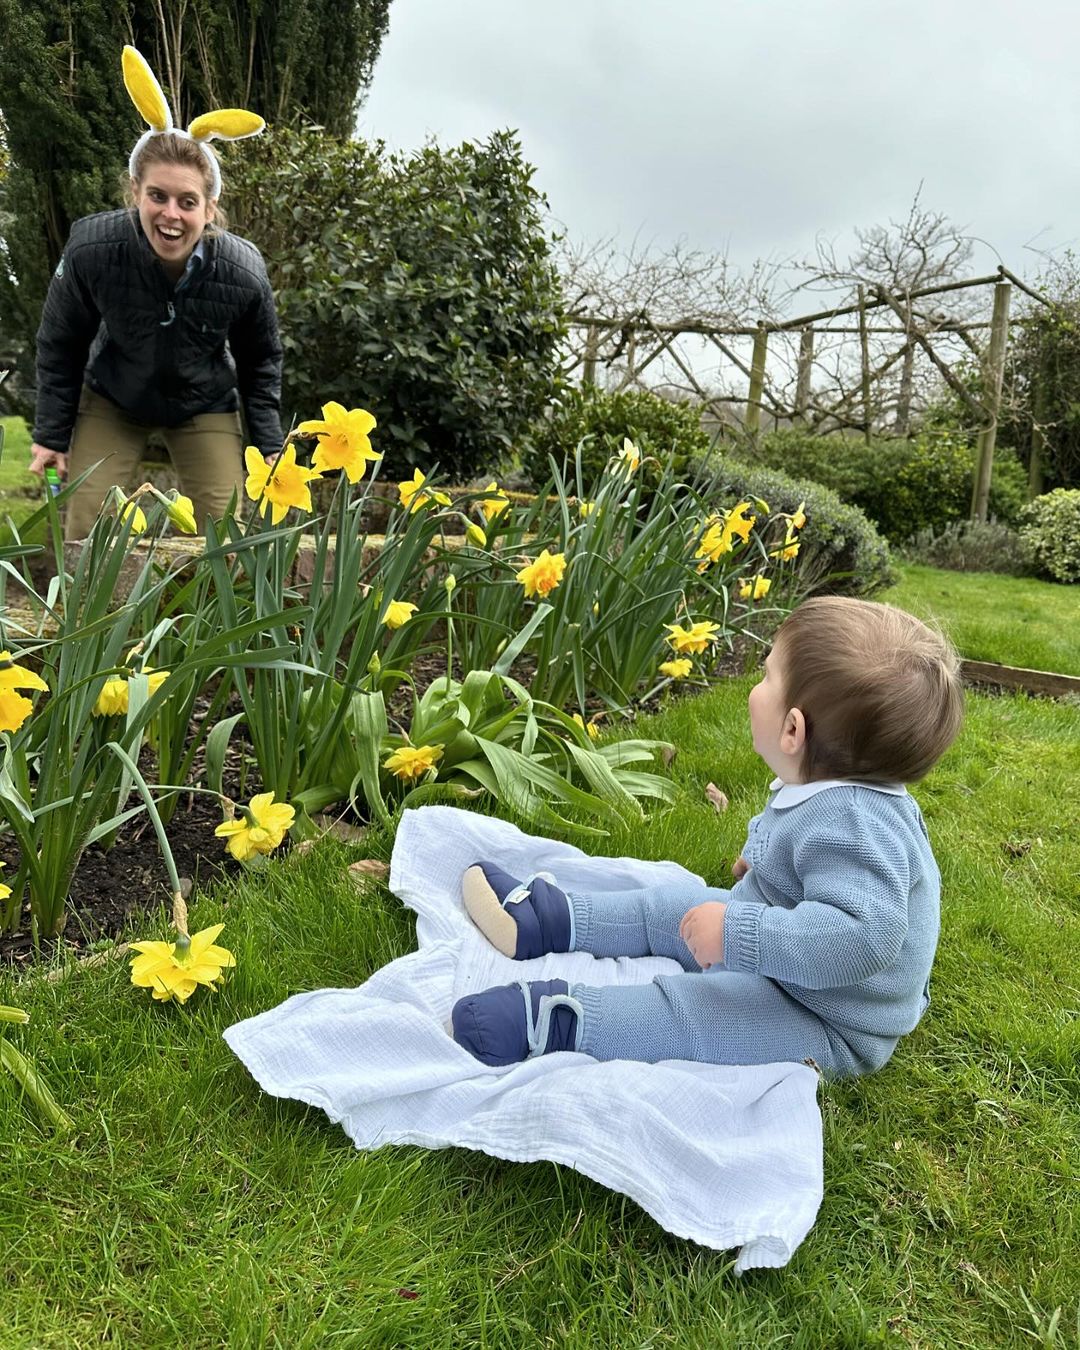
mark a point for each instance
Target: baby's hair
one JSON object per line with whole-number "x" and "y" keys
{"x": 183, "y": 153}
{"x": 879, "y": 690}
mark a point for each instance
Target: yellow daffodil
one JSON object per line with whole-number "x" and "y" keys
{"x": 790, "y": 548}
{"x": 113, "y": 699}
{"x": 757, "y": 589}
{"x": 5, "y": 891}
{"x": 14, "y": 708}
{"x": 176, "y": 969}
{"x": 720, "y": 534}
{"x": 413, "y": 761}
{"x": 398, "y": 612}
{"x": 590, "y": 728}
{"x": 280, "y": 485}
{"x": 494, "y": 506}
{"x": 585, "y": 509}
{"x": 133, "y": 512}
{"x": 260, "y": 828}
{"x": 414, "y": 494}
{"x": 693, "y": 639}
{"x": 678, "y": 668}
{"x": 542, "y": 576}
{"x": 629, "y": 455}
{"x": 475, "y": 535}
{"x": 181, "y": 513}
{"x": 343, "y": 440}
{"x": 798, "y": 517}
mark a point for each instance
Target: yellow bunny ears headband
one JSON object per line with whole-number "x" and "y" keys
{"x": 229, "y": 124}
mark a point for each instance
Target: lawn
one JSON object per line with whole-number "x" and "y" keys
{"x": 192, "y": 1209}
{"x": 1018, "y": 621}
{"x": 20, "y": 490}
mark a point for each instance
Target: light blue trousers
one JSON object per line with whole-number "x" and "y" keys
{"x": 716, "y": 1017}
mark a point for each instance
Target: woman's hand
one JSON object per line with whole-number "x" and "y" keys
{"x": 41, "y": 457}
{"x": 702, "y": 929}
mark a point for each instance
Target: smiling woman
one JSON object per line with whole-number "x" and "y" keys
{"x": 158, "y": 320}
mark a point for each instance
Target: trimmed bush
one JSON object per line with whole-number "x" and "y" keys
{"x": 842, "y": 553}
{"x": 970, "y": 546}
{"x": 664, "y": 433}
{"x": 420, "y": 287}
{"x": 1050, "y": 533}
{"x": 903, "y": 486}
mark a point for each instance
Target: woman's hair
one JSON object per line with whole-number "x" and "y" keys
{"x": 185, "y": 153}
{"x": 879, "y": 690}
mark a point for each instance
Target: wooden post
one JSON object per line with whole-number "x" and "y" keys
{"x": 802, "y": 380}
{"x": 592, "y": 352}
{"x": 864, "y": 344}
{"x": 631, "y": 355}
{"x": 903, "y": 399}
{"x": 994, "y": 373}
{"x": 752, "y": 422}
{"x": 1040, "y": 413}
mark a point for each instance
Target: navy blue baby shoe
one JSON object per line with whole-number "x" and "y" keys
{"x": 509, "y": 1023}
{"x": 523, "y": 919}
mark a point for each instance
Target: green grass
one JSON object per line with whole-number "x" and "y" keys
{"x": 20, "y": 490}
{"x": 1017, "y": 621}
{"x": 191, "y": 1209}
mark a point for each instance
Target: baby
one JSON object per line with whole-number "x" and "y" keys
{"x": 822, "y": 949}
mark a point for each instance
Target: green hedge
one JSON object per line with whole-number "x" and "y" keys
{"x": 664, "y": 432}
{"x": 903, "y": 486}
{"x": 1050, "y": 533}
{"x": 842, "y": 552}
{"x": 421, "y": 287}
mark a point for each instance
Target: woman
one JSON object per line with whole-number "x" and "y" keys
{"x": 158, "y": 320}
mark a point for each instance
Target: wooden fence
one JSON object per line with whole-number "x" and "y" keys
{"x": 625, "y": 348}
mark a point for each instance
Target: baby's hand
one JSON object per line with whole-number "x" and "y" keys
{"x": 702, "y": 929}
{"x": 739, "y": 868}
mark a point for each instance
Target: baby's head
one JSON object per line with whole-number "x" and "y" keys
{"x": 855, "y": 689}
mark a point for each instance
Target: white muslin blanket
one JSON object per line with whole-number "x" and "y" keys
{"x": 725, "y": 1156}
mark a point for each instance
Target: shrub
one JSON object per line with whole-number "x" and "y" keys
{"x": 970, "y": 546}
{"x": 1050, "y": 533}
{"x": 843, "y": 553}
{"x": 665, "y": 433}
{"x": 420, "y": 287}
{"x": 903, "y": 486}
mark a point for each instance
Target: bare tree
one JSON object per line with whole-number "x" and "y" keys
{"x": 898, "y": 260}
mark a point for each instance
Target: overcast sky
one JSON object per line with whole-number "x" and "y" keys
{"x": 749, "y": 126}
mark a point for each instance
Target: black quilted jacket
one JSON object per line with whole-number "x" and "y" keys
{"x": 113, "y": 320}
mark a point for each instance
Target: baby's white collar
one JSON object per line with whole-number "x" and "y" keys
{"x": 791, "y": 794}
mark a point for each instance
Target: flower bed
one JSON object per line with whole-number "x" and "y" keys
{"x": 291, "y": 641}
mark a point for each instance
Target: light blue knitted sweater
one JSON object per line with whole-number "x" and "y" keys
{"x": 841, "y": 906}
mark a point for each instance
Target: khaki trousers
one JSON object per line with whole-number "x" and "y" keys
{"x": 207, "y": 454}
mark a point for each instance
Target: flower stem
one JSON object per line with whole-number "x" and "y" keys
{"x": 33, "y": 1085}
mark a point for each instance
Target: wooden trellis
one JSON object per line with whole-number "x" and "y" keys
{"x": 636, "y": 342}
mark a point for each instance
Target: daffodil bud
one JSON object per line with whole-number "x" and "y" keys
{"x": 475, "y": 535}
{"x": 181, "y": 512}
{"x": 450, "y": 585}
{"x": 374, "y": 665}
{"x": 13, "y": 1015}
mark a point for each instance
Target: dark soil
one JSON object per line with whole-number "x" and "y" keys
{"x": 110, "y": 885}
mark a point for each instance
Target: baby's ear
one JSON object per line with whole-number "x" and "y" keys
{"x": 228, "y": 124}
{"x": 793, "y": 736}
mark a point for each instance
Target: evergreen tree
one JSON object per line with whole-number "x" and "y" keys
{"x": 67, "y": 125}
